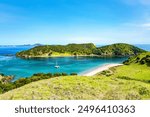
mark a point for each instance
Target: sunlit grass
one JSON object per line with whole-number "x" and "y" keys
{"x": 78, "y": 87}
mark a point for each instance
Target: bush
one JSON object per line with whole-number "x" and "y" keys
{"x": 73, "y": 74}
{"x": 64, "y": 74}
{"x": 21, "y": 82}
{"x": 57, "y": 74}
{"x": 143, "y": 91}
{"x": 1, "y": 74}
{"x": 49, "y": 74}
{"x": 142, "y": 62}
{"x": 38, "y": 74}
{"x": 8, "y": 87}
{"x": 126, "y": 62}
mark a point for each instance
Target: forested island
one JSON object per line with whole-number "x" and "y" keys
{"x": 89, "y": 49}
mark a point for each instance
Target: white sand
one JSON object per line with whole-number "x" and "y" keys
{"x": 100, "y": 69}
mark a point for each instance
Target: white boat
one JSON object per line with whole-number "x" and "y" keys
{"x": 57, "y": 66}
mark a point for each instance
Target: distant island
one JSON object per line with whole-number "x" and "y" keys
{"x": 88, "y": 49}
{"x": 36, "y": 44}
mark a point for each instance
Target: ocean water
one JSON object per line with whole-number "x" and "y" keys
{"x": 144, "y": 46}
{"x": 11, "y": 65}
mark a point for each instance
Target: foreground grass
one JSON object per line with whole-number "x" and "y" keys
{"x": 79, "y": 87}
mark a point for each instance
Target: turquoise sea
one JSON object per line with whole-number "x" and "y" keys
{"x": 11, "y": 65}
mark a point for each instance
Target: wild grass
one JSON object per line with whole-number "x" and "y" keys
{"x": 79, "y": 87}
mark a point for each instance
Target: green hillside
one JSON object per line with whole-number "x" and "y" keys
{"x": 142, "y": 59}
{"x": 77, "y": 87}
{"x": 136, "y": 68}
{"x": 120, "y": 49}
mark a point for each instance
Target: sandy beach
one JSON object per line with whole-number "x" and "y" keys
{"x": 99, "y": 69}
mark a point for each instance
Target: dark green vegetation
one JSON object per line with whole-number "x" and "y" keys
{"x": 7, "y": 85}
{"x": 119, "y": 49}
{"x": 142, "y": 59}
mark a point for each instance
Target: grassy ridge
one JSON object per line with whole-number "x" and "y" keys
{"x": 76, "y": 87}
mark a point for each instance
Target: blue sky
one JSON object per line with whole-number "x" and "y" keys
{"x": 74, "y": 21}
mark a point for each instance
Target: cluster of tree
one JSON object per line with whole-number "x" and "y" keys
{"x": 143, "y": 58}
{"x": 4, "y": 87}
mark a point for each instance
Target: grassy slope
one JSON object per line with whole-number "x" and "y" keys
{"x": 79, "y": 87}
{"x": 134, "y": 71}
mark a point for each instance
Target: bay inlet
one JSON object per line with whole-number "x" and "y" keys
{"x": 11, "y": 65}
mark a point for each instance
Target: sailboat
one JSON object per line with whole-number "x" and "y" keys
{"x": 57, "y": 66}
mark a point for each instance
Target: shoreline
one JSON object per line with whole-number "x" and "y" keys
{"x": 99, "y": 69}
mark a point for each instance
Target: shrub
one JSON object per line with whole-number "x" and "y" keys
{"x": 57, "y": 74}
{"x": 38, "y": 74}
{"x": 49, "y": 74}
{"x": 1, "y": 74}
{"x": 64, "y": 74}
{"x": 143, "y": 91}
{"x": 142, "y": 62}
{"x": 21, "y": 82}
{"x": 73, "y": 74}
{"x": 8, "y": 86}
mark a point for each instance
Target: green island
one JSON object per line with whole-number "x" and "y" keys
{"x": 130, "y": 81}
{"x": 89, "y": 49}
